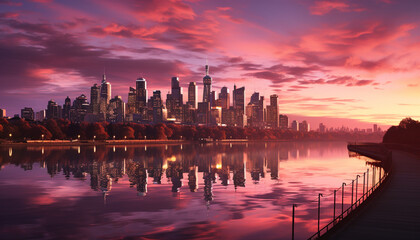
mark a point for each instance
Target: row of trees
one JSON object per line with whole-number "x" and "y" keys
{"x": 19, "y": 129}
{"x": 407, "y": 132}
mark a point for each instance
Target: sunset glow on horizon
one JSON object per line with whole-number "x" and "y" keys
{"x": 351, "y": 63}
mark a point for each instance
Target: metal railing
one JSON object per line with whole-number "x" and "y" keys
{"x": 350, "y": 209}
{"x": 355, "y": 201}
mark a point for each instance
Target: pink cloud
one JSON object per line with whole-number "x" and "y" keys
{"x": 324, "y": 7}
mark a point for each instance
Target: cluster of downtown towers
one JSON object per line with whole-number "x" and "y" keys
{"x": 211, "y": 111}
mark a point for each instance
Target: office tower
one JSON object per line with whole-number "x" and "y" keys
{"x": 224, "y": 97}
{"x": 255, "y": 97}
{"x": 203, "y": 113}
{"x": 304, "y": 126}
{"x": 27, "y": 113}
{"x": 295, "y": 126}
{"x": 255, "y": 110}
{"x": 322, "y": 128}
{"x": 79, "y": 109}
{"x": 141, "y": 91}
{"x": 2, "y": 113}
{"x": 192, "y": 95}
{"x": 116, "y": 110}
{"x": 174, "y": 100}
{"x": 159, "y": 110}
{"x": 41, "y": 115}
{"x": 131, "y": 104}
{"x": 105, "y": 95}
{"x": 53, "y": 110}
{"x": 207, "y": 86}
{"x": 239, "y": 106}
{"x": 375, "y": 127}
{"x": 105, "y": 89}
{"x": 95, "y": 93}
{"x": 216, "y": 115}
{"x": 66, "y": 108}
{"x": 283, "y": 122}
{"x": 189, "y": 114}
{"x": 272, "y": 112}
{"x": 239, "y": 99}
{"x": 212, "y": 98}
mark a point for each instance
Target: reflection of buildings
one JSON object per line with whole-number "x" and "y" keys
{"x": 138, "y": 174}
{"x": 208, "y": 186}
{"x": 109, "y": 164}
{"x": 193, "y": 178}
{"x": 174, "y": 172}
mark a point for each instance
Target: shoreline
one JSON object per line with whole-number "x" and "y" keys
{"x": 143, "y": 142}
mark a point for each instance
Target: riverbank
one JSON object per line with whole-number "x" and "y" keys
{"x": 394, "y": 212}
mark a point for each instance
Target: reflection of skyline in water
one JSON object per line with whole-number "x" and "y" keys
{"x": 234, "y": 179}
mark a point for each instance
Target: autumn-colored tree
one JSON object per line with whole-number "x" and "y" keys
{"x": 55, "y": 130}
{"x": 37, "y": 131}
{"x": 125, "y": 132}
{"x": 96, "y": 131}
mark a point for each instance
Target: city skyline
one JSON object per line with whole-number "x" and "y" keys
{"x": 335, "y": 62}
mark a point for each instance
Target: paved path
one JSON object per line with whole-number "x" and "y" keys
{"x": 395, "y": 211}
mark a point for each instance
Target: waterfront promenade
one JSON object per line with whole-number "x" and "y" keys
{"x": 394, "y": 213}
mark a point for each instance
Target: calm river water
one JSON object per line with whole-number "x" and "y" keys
{"x": 189, "y": 191}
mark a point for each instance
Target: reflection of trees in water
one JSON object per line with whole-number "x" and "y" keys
{"x": 109, "y": 163}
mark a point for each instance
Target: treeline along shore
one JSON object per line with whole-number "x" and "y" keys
{"x": 49, "y": 131}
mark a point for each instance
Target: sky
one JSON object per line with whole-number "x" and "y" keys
{"x": 351, "y": 63}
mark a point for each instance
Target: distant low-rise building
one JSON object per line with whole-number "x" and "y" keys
{"x": 283, "y": 121}
{"x": 295, "y": 126}
{"x": 27, "y": 113}
{"x": 304, "y": 126}
{"x": 41, "y": 115}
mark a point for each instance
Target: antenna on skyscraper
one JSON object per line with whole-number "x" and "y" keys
{"x": 207, "y": 67}
{"x": 104, "y": 76}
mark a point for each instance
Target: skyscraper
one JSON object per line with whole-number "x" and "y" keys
{"x": 95, "y": 92}
{"x": 116, "y": 110}
{"x": 141, "y": 90}
{"x": 79, "y": 109}
{"x": 272, "y": 112}
{"x": 207, "y": 86}
{"x": 239, "y": 106}
{"x": 174, "y": 100}
{"x": 159, "y": 110}
{"x": 53, "y": 110}
{"x": 131, "y": 104}
{"x": 224, "y": 97}
{"x": 66, "y": 108}
{"x": 105, "y": 89}
{"x": 192, "y": 95}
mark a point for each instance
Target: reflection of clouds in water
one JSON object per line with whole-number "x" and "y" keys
{"x": 220, "y": 175}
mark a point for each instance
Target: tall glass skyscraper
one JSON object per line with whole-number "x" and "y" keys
{"x": 207, "y": 86}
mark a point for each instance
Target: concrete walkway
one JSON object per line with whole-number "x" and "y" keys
{"x": 394, "y": 213}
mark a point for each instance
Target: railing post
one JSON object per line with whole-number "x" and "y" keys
{"x": 373, "y": 176}
{"x": 352, "y": 187}
{"x": 319, "y": 211}
{"x": 357, "y": 183}
{"x": 364, "y": 176}
{"x": 380, "y": 174}
{"x": 367, "y": 182}
{"x": 293, "y": 221}
{"x": 342, "y": 201}
{"x": 335, "y": 191}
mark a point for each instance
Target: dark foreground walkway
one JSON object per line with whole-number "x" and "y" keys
{"x": 394, "y": 213}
